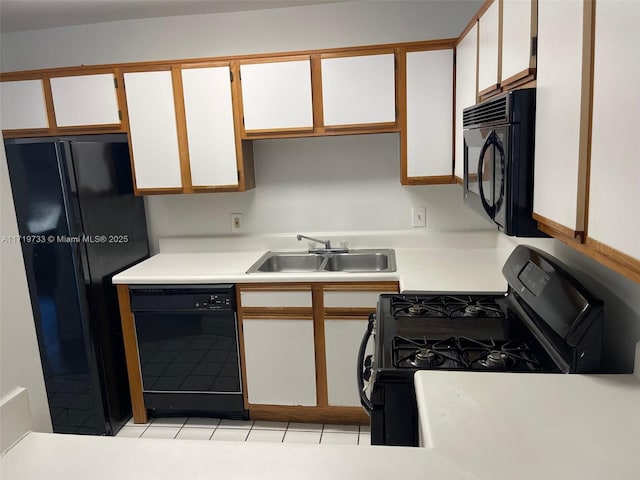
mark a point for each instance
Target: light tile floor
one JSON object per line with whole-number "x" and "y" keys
{"x": 195, "y": 428}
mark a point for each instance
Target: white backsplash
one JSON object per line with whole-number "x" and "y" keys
{"x": 310, "y": 185}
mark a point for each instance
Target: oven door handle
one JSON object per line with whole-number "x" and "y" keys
{"x": 366, "y": 402}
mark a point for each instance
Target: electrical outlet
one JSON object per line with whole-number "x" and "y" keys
{"x": 418, "y": 217}
{"x": 236, "y": 223}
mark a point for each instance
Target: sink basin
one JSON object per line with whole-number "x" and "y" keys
{"x": 360, "y": 261}
{"x": 287, "y": 262}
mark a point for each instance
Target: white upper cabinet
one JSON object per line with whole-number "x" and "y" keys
{"x": 153, "y": 130}
{"x": 210, "y": 130}
{"x": 85, "y": 100}
{"x": 516, "y": 38}
{"x": 466, "y": 89}
{"x": 22, "y": 105}
{"x": 614, "y": 193}
{"x": 560, "y": 154}
{"x": 488, "y": 48}
{"x": 429, "y": 113}
{"x": 358, "y": 90}
{"x": 277, "y": 95}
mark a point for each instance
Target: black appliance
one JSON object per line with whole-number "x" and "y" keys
{"x": 499, "y": 136}
{"x": 546, "y": 322}
{"x": 79, "y": 224}
{"x": 188, "y": 346}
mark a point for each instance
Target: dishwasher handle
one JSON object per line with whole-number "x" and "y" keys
{"x": 364, "y": 365}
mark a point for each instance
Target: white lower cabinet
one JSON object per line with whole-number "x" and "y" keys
{"x": 342, "y": 341}
{"x": 280, "y": 361}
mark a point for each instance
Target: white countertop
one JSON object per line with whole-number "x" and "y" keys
{"x": 533, "y": 426}
{"x": 69, "y": 457}
{"x": 466, "y": 261}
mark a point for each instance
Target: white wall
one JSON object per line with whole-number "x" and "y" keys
{"x": 299, "y": 28}
{"x": 19, "y": 358}
{"x": 332, "y": 184}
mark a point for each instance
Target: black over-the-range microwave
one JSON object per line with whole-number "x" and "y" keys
{"x": 499, "y": 137}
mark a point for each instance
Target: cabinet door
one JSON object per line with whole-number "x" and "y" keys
{"x": 466, "y": 89}
{"x": 280, "y": 361}
{"x": 277, "y": 96}
{"x": 488, "y": 51}
{"x": 152, "y": 125}
{"x": 560, "y": 154}
{"x": 614, "y": 189}
{"x": 342, "y": 341}
{"x": 358, "y": 90}
{"x": 210, "y": 130}
{"x": 85, "y": 100}
{"x": 517, "y": 32}
{"x": 429, "y": 113}
{"x": 22, "y": 105}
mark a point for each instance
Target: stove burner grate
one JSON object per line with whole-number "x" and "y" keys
{"x": 462, "y": 353}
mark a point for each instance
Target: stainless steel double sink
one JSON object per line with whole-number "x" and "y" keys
{"x": 355, "y": 261}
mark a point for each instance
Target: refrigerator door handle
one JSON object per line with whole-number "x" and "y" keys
{"x": 72, "y": 207}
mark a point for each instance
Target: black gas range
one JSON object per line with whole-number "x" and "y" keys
{"x": 547, "y": 322}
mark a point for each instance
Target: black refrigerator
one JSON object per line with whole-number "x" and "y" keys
{"x": 79, "y": 224}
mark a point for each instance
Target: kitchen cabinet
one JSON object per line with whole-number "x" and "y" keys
{"x": 23, "y": 105}
{"x": 153, "y": 130}
{"x": 320, "y": 325}
{"x": 209, "y": 121}
{"x": 614, "y": 180}
{"x": 429, "y": 117}
{"x": 342, "y": 340}
{"x": 562, "y": 112}
{"x": 358, "y": 90}
{"x": 82, "y": 100}
{"x": 183, "y": 131}
{"x": 276, "y": 95}
{"x": 466, "y": 90}
{"x": 489, "y": 33}
{"x": 519, "y": 28}
{"x": 279, "y": 361}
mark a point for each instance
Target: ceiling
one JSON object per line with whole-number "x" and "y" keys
{"x": 18, "y": 15}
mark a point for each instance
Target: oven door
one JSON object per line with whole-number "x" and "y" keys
{"x": 484, "y": 172}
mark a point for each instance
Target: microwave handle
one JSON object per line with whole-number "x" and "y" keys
{"x": 488, "y": 208}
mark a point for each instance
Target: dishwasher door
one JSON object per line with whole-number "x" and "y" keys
{"x": 188, "y": 346}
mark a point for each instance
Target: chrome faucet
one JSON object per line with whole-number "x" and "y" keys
{"x": 327, "y": 243}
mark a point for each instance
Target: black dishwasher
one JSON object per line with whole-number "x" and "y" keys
{"x": 188, "y": 345}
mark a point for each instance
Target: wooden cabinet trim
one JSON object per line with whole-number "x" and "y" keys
{"x": 131, "y": 355}
{"x": 614, "y": 259}
{"x": 322, "y": 395}
{"x": 433, "y": 180}
{"x": 318, "y": 414}
{"x": 558, "y": 229}
{"x": 275, "y": 58}
{"x": 181, "y": 127}
{"x": 358, "y": 53}
{"x": 359, "y": 287}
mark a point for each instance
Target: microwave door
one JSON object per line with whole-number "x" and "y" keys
{"x": 478, "y": 171}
